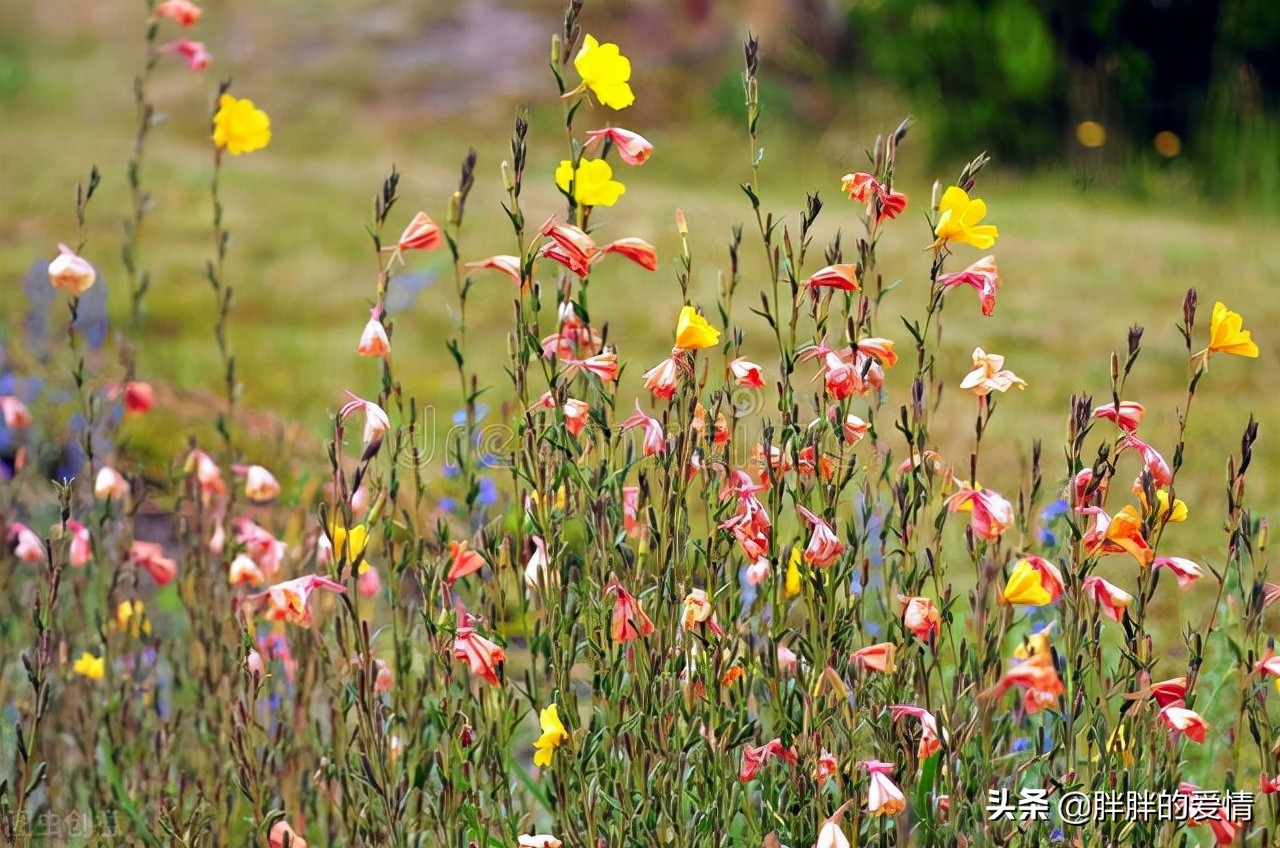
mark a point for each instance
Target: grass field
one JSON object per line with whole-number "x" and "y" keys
{"x": 1078, "y": 266}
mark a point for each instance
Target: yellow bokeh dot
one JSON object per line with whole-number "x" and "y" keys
{"x": 1167, "y": 143}
{"x": 1091, "y": 134}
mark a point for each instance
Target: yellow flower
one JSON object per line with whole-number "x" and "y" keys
{"x": 131, "y": 617}
{"x": 553, "y": 735}
{"x": 1226, "y": 334}
{"x": 959, "y": 220}
{"x": 240, "y": 127}
{"x": 593, "y": 182}
{"x": 693, "y": 332}
{"x": 90, "y": 666}
{"x": 354, "y": 539}
{"x": 1025, "y": 586}
{"x": 1175, "y": 513}
{"x": 791, "y": 584}
{"x": 1035, "y": 645}
{"x": 605, "y": 71}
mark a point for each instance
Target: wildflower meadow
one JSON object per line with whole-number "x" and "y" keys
{"x": 780, "y": 584}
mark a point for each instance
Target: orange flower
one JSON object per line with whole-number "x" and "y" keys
{"x": 465, "y": 561}
{"x": 754, "y": 758}
{"x": 577, "y": 251}
{"x": 884, "y": 797}
{"x": 287, "y": 601}
{"x": 881, "y": 350}
{"x": 883, "y": 203}
{"x": 421, "y": 234}
{"x": 663, "y": 378}
{"x": 507, "y": 264}
{"x": 1122, "y": 534}
{"x": 698, "y": 611}
{"x": 1038, "y": 678}
{"x": 373, "y": 339}
{"x": 878, "y": 657}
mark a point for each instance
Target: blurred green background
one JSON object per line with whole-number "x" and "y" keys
{"x": 1093, "y": 238}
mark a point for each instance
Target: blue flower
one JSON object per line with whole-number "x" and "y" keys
{"x": 460, "y": 417}
{"x": 1051, "y": 512}
{"x": 448, "y": 504}
{"x": 1020, "y": 744}
{"x": 488, "y": 492}
{"x": 451, "y": 471}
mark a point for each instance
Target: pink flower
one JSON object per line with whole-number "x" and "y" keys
{"x": 183, "y": 12}
{"x": 746, "y": 373}
{"x": 990, "y": 514}
{"x": 824, "y": 547}
{"x": 629, "y": 621}
{"x": 26, "y": 545}
{"x": 267, "y": 551}
{"x": 787, "y": 659}
{"x": 260, "y": 485}
{"x": 481, "y": 655}
{"x": 1152, "y": 461}
{"x": 81, "y": 550}
{"x": 1269, "y": 785}
{"x": 507, "y": 264}
{"x": 14, "y": 412}
{"x": 1111, "y": 598}
{"x": 193, "y": 51}
{"x": 535, "y": 570}
{"x": 138, "y": 397}
{"x": 368, "y": 583}
{"x": 1127, "y": 418}
{"x": 207, "y": 473}
{"x": 602, "y": 365}
{"x": 930, "y": 740}
{"x": 1186, "y": 722}
{"x": 287, "y": 601}
{"x": 577, "y": 413}
{"x": 843, "y": 277}
{"x": 920, "y": 616}
{"x": 70, "y": 273}
{"x": 655, "y": 441}
{"x": 373, "y": 339}
{"x": 884, "y": 797}
{"x": 663, "y": 379}
{"x": 982, "y": 277}
{"x": 110, "y": 484}
{"x": 830, "y": 835}
{"x": 244, "y": 571}
{"x": 150, "y": 557}
{"x": 632, "y": 147}
{"x": 376, "y": 422}
{"x": 1184, "y": 570}
{"x": 758, "y": 572}
{"x": 754, "y": 758}
{"x": 538, "y": 840}
{"x": 283, "y": 836}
